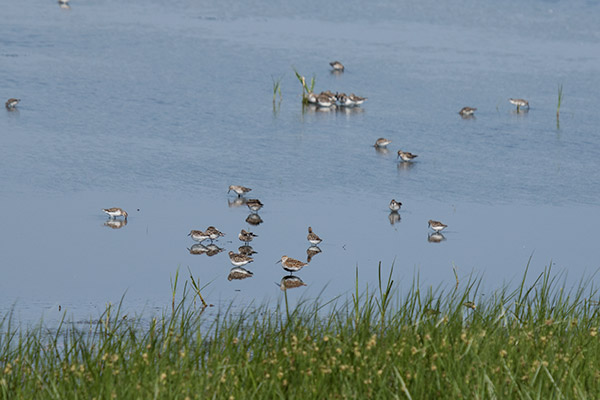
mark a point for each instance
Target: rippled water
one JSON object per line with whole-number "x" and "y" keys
{"x": 158, "y": 107}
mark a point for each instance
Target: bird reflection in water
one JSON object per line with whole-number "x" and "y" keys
{"x": 405, "y": 166}
{"x": 213, "y": 249}
{"x": 239, "y": 273}
{"x": 254, "y": 219}
{"x": 246, "y": 250}
{"x": 115, "y": 223}
{"x": 311, "y": 252}
{"x": 290, "y": 282}
{"x": 198, "y": 249}
{"x": 237, "y": 202}
{"x": 435, "y": 237}
{"x": 382, "y": 150}
{"x": 394, "y": 217}
{"x": 64, "y": 4}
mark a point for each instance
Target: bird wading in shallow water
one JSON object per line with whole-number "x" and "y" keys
{"x": 291, "y": 264}
{"x": 466, "y": 111}
{"x": 11, "y": 103}
{"x": 436, "y": 225}
{"x": 312, "y": 237}
{"x": 519, "y": 103}
{"x": 115, "y": 212}
{"x": 337, "y": 66}
{"x": 406, "y": 156}
{"x": 395, "y": 205}
{"x": 239, "y": 190}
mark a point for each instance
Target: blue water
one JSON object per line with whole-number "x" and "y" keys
{"x": 161, "y": 106}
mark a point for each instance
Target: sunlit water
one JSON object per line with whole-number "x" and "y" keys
{"x": 158, "y": 107}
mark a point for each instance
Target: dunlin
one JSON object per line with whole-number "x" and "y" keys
{"x": 290, "y": 282}
{"x": 344, "y": 100}
{"x": 198, "y": 236}
{"x": 239, "y": 259}
{"x": 291, "y": 264}
{"x": 254, "y": 204}
{"x": 312, "y": 237}
{"x": 466, "y": 111}
{"x": 213, "y": 233}
{"x": 519, "y": 103}
{"x": 406, "y": 156}
{"x": 382, "y": 142}
{"x": 357, "y": 99}
{"x": 311, "y": 98}
{"x": 115, "y": 212}
{"x": 239, "y": 273}
{"x": 337, "y": 66}
{"x": 436, "y": 225}
{"x": 11, "y": 103}
{"x": 324, "y": 100}
{"x": 240, "y": 190}
{"x": 246, "y": 236}
{"x": 395, "y": 205}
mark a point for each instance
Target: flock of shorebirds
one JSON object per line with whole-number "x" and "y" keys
{"x": 245, "y": 252}
{"x": 328, "y": 98}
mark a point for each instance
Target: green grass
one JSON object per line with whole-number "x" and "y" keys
{"x": 277, "y": 88}
{"x": 560, "y": 98}
{"x": 538, "y": 341}
{"x": 306, "y": 89}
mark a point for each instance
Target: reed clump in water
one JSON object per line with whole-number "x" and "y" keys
{"x": 306, "y": 89}
{"x": 535, "y": 341}
{"x": 277, "y": 88}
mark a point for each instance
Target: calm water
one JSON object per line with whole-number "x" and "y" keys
{"x": 157, "y": 107}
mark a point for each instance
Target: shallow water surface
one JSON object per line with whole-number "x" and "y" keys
{"x": 158, "y": 107}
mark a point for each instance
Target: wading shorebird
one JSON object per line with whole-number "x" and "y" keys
{"x": 466, "y": 111}
{"x": 436, "y": 225}
{"x": 382, "y": 142}
{"x": 395, "y": 205}
{"x": 12, "y": 103}
{"x": 115, "y": 212}
{"x": 240, "y": 190}
{"x": 337, "y": 66}
{"x": 246, "y": 236}
{"x": 519, "y": 103}
{"x": 291, "y": 264}
{"x": 213, "y": 233}
{"x": 406, "y": 156}
{"x": 324, "y": 100}
{"x": 198, "y": 236}
{"x": 312, "y": 237}
{"x": 357, "y": 99}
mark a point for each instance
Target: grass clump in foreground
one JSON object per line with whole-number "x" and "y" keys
{"x": 534, "y": 342}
